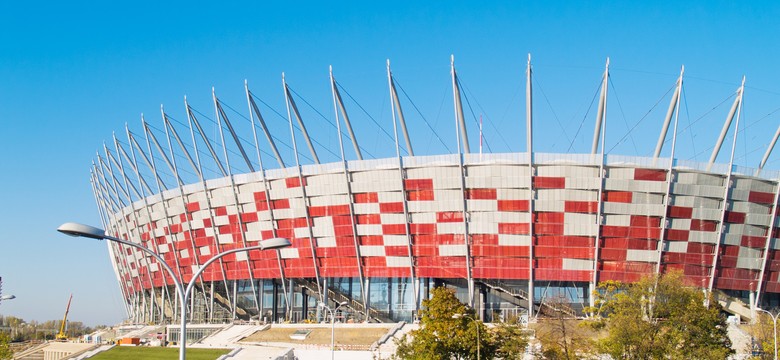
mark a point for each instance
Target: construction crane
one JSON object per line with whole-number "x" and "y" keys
{"x": 61, "y": 336}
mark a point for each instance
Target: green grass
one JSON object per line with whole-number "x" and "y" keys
{"x": 157, "y": 353}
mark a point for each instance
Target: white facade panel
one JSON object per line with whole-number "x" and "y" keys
{"x": 225, "y": 238}
{"x": 482, "y": 228}
{"x": 417, "y": 218}
{"x": 372, "y": 229}
{"x": 395, "y": 240}
{"x": 366, "y": 208}
{"x": 676, "y": 246}
{"x": 385, "y": 197}
{"x": 452, "y": 250}
{"x": 617, "y": 220}
{"x": 709, "y": 237}
{"x": 399, "y": 218}
{"x": 514, "y": 240}
{"x": 549, "y": 206}
{"x": 577, "y": 264}
{"x": 372, "y": 250}
{"x": 324, "y": 242}
{"x": 289, "y": 253}
{"x": 452, "y": 228}
{"x": 642, "y": 255}
{"x": 398, "y": 261}
{"x": 513, "y": 194}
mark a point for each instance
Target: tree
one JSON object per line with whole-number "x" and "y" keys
{"x": 449, "y": 328}
{"x": 510, "y": 340}
{"x": 761, "y": 331}
{"x": 5, "y": 349}
{"x": 563, "y": 337}
{"x": 659, "y": 317}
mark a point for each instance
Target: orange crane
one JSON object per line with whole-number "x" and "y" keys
{"x": 61, "y": 335}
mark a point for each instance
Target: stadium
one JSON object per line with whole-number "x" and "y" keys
{"x": 510, "y": 232}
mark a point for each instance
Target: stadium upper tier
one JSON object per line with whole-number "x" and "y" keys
{"x": 487, "y": 221}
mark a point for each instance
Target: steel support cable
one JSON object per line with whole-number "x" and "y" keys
{"x": 623, "y": 114}
{"x": 141, "y": 168}
{"x": 365, "y": 112}
{"x": 762, "y": 145}
{"x": 688, "y": 117}
{"x": 215, "y": 123}
{"x": 185, "y": 144}
{"x": 744, "y": 134}
{"x": 490, "y": 122}
{"x": 584, "y": 117}
{"x": 552, "y": 109}
{"x": 421, "y": 114}
{"x": 250, "y": 143}
{"x": 696, "y": 154}
{"x": 205, "y": 168}
{"x": 328, "y": 120}
{"x": 281, "y": 117}
{"x": 296, "y": 126}
{"x": 322, "y": 116}
{"x": 640, "y": 120}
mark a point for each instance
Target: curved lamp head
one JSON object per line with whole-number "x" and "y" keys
{"x": 76, "y": 229}
{"x": 274, "y": 243}
{"x": 7, "y": 297}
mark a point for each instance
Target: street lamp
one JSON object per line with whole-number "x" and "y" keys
{"x": 774, "y": 322}
{"x": 81, "y": 230}
{"x": 332, "y": 324}
{"x": 476, "y": 324}
{"x": 7, "y": 297}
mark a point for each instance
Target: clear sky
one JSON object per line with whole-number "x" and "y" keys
{"x": 73, "y": 73}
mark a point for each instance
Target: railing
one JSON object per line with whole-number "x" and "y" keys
{"x": 353, "y": 304}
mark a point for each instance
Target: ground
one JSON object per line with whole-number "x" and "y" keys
{"x": 352, "y": 336}
{"x": 157, "y": 353}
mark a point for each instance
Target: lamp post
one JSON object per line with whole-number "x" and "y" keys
{"x": 80, "y": 230}
{"x": 476, "y": 324}
{"x": 332, "y": 325}
{"x": 774, "y": 322}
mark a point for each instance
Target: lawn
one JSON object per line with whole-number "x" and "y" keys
{"x": 157, "y": 353}
{"x": 364, "y": 336}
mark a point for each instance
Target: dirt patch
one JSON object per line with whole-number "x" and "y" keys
{"x": 321, "y": 336}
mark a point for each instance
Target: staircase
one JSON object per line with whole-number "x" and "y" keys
{"x": 520, "y": 298}
{"x": 356, "y": 306}
{"x": 733, "y": 305}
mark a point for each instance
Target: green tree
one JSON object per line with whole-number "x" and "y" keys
{"x": 562, "y": 336}
{"x": 762, "y": 332}
{"x": 659, "y": 317}
{"x": 509, "y": 338}
{"x": 5, "y": 349}
{"x": 450, "y": 329}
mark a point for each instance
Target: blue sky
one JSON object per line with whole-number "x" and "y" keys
{"x": 73, "y": 73}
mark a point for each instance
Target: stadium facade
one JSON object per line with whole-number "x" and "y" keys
{"x": 504, "y": 230}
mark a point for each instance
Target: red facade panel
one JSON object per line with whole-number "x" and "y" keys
{"x": 513, "y": 205}
{"x": 588, "y": 207}
{"x": 680, "y": 212}
{"x": 481, "y": 194}
{"x": 650, "y": 174}
{"x": 618, "y": 196}
{"x": 761, "y": 197}
{"x": 548, "y": 182}
{"x": 364, "y": 198}
{"x": 418, "y": 184}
